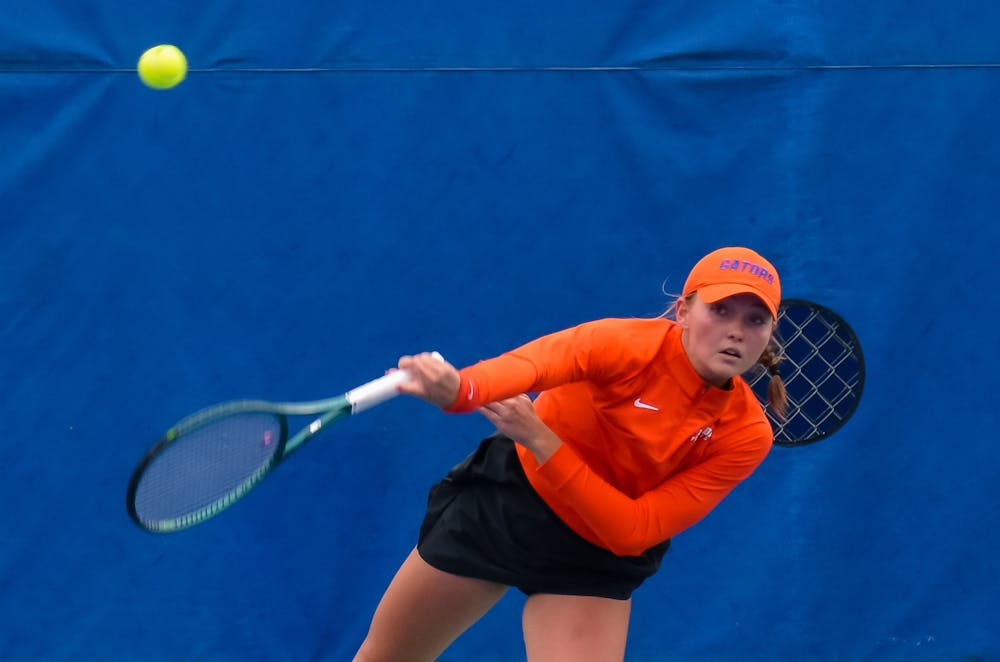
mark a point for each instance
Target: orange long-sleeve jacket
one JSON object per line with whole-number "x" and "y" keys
{"x": 648, "y": 447}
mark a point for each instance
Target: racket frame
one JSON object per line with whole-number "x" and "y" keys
{"x": 844, "y": 334}
{"x": 332, "y": 409}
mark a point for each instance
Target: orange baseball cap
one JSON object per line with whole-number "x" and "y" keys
{"x": 735, "y": 270}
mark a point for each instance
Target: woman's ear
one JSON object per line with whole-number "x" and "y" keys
{"x": 683, "y": 311}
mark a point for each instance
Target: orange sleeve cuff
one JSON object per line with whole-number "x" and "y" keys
{"x": 561, "y": 467}
{"x": 466, "y": 399}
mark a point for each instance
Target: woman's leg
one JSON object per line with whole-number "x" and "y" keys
{"x": 423, "y": 611}
{"x": 573, "y": 628}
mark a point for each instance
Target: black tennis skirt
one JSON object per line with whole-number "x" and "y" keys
{"x": 484, "y": 520}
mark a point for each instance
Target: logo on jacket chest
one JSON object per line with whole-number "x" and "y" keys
{"x": 704, "y": 433}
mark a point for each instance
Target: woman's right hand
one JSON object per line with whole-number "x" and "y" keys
{"x": 431, "y": 378}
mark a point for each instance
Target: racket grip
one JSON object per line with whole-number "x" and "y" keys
{"x": 379, "y": 390}
{"x": 376, "y": 392}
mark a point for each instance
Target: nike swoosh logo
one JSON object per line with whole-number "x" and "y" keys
{"x": 642, "y": 405}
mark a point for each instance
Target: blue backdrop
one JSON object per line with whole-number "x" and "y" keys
{"x": 339, "y": 183}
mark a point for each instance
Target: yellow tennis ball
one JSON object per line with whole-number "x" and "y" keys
{"x": 162, "y": 67}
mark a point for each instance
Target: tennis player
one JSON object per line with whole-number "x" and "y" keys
{"x": 641, "y": 427}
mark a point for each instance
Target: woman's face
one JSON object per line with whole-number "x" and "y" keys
{"x": 725, "y": 338}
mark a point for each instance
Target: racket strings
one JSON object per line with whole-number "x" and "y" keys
{"x": 206, "y": 468}
{"x": 822, "y": 370}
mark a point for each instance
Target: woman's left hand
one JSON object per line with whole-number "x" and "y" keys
{"x": 516, "y": 418}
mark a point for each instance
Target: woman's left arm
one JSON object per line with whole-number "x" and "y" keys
{"x": 628, "y": 526}
{"x": 516, "y": 418}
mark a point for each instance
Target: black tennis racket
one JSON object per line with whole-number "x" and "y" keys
{"x": 212, "y": 458}
{"x": 823, "y": 370}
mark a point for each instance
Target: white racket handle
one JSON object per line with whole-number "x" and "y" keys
{"x": 378, "y": 390}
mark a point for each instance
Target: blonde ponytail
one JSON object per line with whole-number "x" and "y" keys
{"x": 777, "y": 396}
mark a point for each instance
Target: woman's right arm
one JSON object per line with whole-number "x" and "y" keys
{"x": 431, "y": 378}
{"x": 593, "y": 351}
{"x": 552, "y": 360}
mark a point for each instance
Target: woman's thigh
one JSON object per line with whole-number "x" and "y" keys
{"x": 423, "y": 611}
{"x": 574, "y": 628}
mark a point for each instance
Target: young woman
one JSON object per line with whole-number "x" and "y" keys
{"x": 642, "y": 427}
